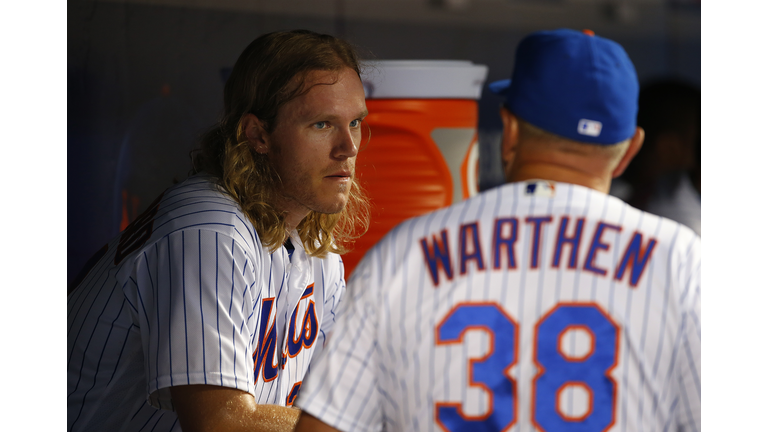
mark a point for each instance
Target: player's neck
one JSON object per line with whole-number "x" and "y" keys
{"x": 561, "y": 174}
{"x": 293, "y": 219}
{"x": 294, "y": 212}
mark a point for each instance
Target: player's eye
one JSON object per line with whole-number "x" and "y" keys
{"x": 355, "y": 123}
{"x": 320, "y": 125}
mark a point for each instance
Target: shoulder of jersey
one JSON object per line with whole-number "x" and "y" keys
{"x": 668, "y": 234}
{"x": 198, "y": 203}
{"x": 575, "y": 196}
{"x": 520, "y": 195}
{"x": 669, "y": 225}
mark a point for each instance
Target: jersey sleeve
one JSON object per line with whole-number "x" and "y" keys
{"x": 341, "y": 388}
{"x": 689, "y": 363}
{"x": 192, "y": 296}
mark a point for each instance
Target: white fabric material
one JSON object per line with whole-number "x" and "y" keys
{"x": 192, "y": 303}
{"x": 391, "y": 363}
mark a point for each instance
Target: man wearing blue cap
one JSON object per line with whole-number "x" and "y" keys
{"x": 545, "y": 304}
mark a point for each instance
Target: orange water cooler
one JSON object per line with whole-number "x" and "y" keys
{"x": 423, "y": 152}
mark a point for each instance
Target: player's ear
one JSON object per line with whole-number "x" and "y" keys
{"x": 634, "y": 146}
{"x": 509, "y": 139}
{"x": 255, "y": 133}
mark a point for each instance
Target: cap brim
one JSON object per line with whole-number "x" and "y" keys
{"x": 499, "y": 87}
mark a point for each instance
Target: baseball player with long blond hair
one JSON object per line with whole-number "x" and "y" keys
{"x": 542, "y": 305}
{"x": 205, "y": 313}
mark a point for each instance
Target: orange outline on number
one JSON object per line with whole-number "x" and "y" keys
{"x": 472, "y": 361}
{"x": 542, "y": 370}
{"x": 566, "y": 417}
{"x": 575, "y": 358}
{"x": 288, "y": 401}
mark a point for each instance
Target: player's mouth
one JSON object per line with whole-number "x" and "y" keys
{"x": 341, "y": 175}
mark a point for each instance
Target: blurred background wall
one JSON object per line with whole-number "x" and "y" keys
{"x": 145, "y": 77}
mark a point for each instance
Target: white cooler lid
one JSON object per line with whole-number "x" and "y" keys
{"x": 423, "y": 79}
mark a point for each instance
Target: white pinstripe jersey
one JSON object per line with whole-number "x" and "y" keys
{"x": 187, "y": 295}
{"x": 534, "y": 306}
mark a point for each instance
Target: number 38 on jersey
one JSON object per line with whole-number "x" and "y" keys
{"x": 560, "y": 371}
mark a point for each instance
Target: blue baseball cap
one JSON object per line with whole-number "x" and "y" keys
{"x": 573, "y": 84}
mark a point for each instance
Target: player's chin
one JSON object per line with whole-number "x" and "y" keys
{"x": 335, "y": 203}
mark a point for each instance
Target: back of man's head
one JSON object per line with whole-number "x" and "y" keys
{"x": 571, "y": 88}
{"x": 573, "y": 84}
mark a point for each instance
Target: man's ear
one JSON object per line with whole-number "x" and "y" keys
{"x": 634, "y": 146}
{"x": 509, "y": 139}
{"x": 255, "y": 133}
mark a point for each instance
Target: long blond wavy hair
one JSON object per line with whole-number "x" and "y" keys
{"x": 269, "y": 73}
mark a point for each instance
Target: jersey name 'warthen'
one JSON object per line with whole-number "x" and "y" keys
{"x": 569, "y": 245}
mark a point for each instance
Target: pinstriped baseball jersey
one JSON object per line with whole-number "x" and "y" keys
{"x": 535, "y": 306}
{"x": 187, "y": 295}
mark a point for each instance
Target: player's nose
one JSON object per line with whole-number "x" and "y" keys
{"x": 347, "y": 144}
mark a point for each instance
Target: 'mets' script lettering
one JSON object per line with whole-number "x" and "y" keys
{"x": 301, "y": 337}
{"x": 568, "y": 245}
